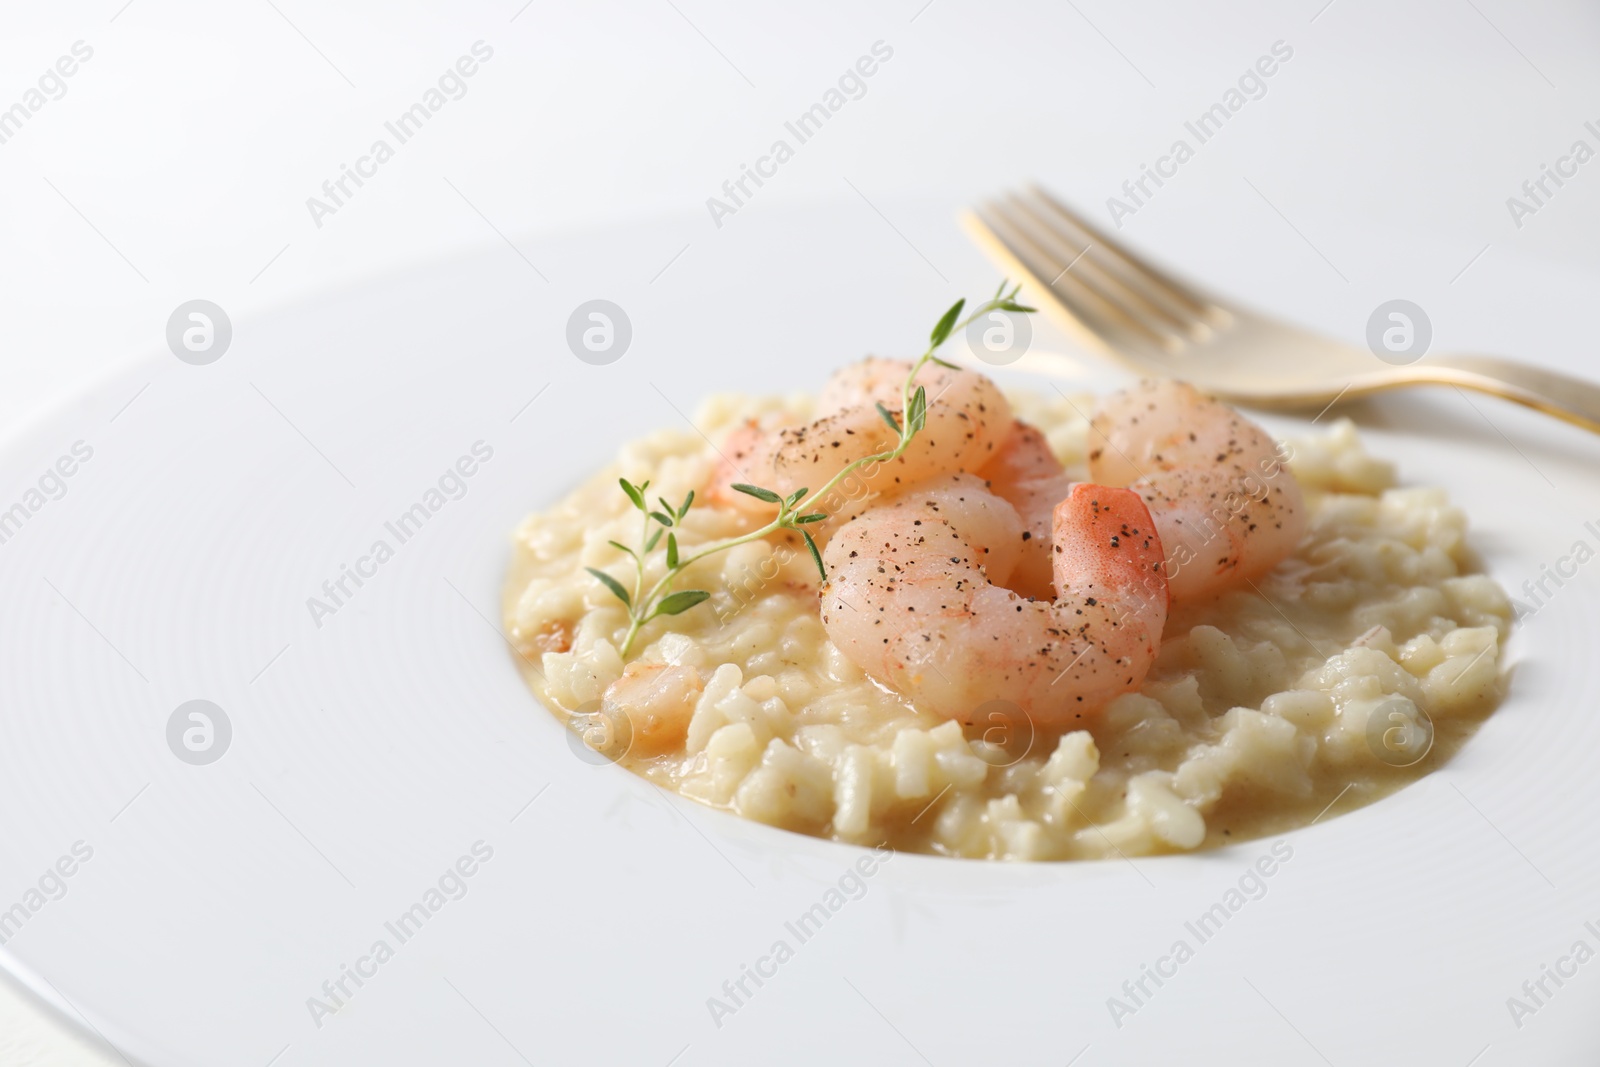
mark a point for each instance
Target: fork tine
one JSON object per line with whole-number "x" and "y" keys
{"x": 1132, "y": 264}
{"x": 1103, "y": 321}
{"x": 1113, "y": 279}
{"x": 1080, "y": 279}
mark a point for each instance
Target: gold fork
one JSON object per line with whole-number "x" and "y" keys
{"x": 1116, "y": 301}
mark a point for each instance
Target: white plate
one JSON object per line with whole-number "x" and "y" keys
{"x": 371, "y": 752}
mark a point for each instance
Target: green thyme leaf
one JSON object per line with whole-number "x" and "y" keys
{"x": 678, "y": 603}
{"x": 794, "y": 498}
{"x": 945, "y": 363}
{"x": 672, "y": 552}
{"x": 1012, "y": 305}
{"x": 919, "y": 410}
{"x": 687, "y": 501}
{"x": 815, "y": 516}
{"x": 621, "y": 548}
{"x": 942, "y": 330}
{"x": 815, "y": 555}
{"x": 665, "y": 520}
{"x": 613, "y": 585}
{"x": 655, "y": 539}
{"x": 888, "y": 417}
{"x": 634, "y": 493}
{"x": 759, "y": 493}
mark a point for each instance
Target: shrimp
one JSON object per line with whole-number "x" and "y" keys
{"x": 967, "y": 420}
{"x": 747, "y": 447}
{"x": 1026, "y": 474}
{"x": 647, "y": 710}
{"x": 1225, "y": 506}
{"x": 913, "y": 599}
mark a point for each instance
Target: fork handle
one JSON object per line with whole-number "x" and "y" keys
{"x": 1553, "y": 393}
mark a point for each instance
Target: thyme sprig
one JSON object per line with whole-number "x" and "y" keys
{"x": 646, "y": 603}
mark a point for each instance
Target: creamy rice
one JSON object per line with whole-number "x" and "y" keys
{"x": 1254, "y": 718}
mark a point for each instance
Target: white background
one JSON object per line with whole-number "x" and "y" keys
{"x": 179, "y": 161}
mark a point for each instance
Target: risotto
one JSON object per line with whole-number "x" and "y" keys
{"x": 1359, "y": 663}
